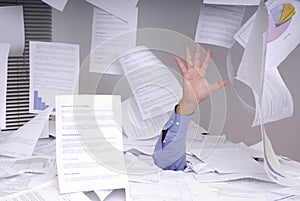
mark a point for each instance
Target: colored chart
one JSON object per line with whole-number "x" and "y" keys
{"x": 279, "y": 20}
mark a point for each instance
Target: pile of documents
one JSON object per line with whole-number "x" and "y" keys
{"x": 99, "y": 147}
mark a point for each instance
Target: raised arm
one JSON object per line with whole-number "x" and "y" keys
{"x": 170, "y": 149}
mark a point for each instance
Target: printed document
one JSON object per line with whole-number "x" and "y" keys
{"x": 284, "y": 32}
{"x": 54, "y": 70}
{"x": 12, "y": 29}
{"x": 111, "y": 37}
{"x": 122, "y": 9}
{"x": 46, "y": 191}
{"x": 89, "y": 143}
{"x": 4, "y": 50}
{"x": 233, "y": 2}
{"x": 218, "y": 23}
{"x": 22, "y": 142}
{"x": 155, "y": 89}
{"x": 134, "y": 125}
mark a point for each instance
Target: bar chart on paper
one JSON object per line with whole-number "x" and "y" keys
{"x": 38, "y": 103}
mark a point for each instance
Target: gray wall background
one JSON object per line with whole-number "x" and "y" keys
{"x": 74, "y": 24}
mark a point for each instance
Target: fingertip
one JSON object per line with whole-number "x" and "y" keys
{"x": 209, "y": 52}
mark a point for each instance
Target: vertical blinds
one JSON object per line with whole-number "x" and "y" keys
{"x": 38, "y": 27}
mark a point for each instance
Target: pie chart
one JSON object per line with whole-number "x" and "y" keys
{"x": 279, "y": 19}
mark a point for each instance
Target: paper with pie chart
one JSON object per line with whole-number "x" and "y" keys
{"x": 283, "y": 32}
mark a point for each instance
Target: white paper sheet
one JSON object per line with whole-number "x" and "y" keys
{"x": 111, "y": 37}
{"x": 4, "y": 50}
{"x": 57, "y": 4}
{"x": 282, "y": 38}
{"x": 45, "y": 147}
{"x": 252, "y": 67}
{"x": 218, "y": 23}
{"x": 46, "y": 191}
{"x": 155, "y": 89}
{"x": 230, "y": 160}
{"x": 103, "y": 194}
{"x": 34, "y": 164}
{"x": 122, "y": 9}
{"x": 22, "y": 142}
{"x": 54, "y": 69}
{"x": 89, "y": 143}
{"x": 272, "y": 166}
{"x": 12, "y": 29}
{"x": 277, "y": 101}
{"x": 232, "y": 2}
{"x": 135, "y": 127}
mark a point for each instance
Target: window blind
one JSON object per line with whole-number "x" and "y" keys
{"x": 38, "y": 27}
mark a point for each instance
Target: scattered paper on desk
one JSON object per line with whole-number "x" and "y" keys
{"x": 4, "y": 50}
{"x": 22, "y": 142}
{"x": 155, "y": 89}
{"x": 111, "y": 37}
{"x": 12, "y": 29}
{"x": 89, "y": 143}
{"x": 122, "y": 9}
{"x": 218, "y": 23}
{"x": 54, "y": 70}
{"x": 232, "y": 2}
{"x": 230, "y": 160}
{"x": 134, "y": 125}
{"x": 102, "y": 194}
{"x": 46, "y": 191}
{"x": 272, "y": 166}
{"x": 284, "y": 32}
{"x": 57, "y": 4}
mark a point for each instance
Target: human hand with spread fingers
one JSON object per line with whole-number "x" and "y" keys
{"x": 169, "y": 152}
{"x": 195, "y": 86}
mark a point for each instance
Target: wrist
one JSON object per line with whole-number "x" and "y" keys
{"x": 184, "y": 108}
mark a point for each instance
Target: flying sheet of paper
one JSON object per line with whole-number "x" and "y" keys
{"x": 22, "y": 142}
{"x": 218, "y": 23}
{"x": 12, "y": 29}
{"x": 57, "y": 4}
{"x": 46, "y": 191}
{"x": 54, "y": 69}
{"x": 89, "y": 143}
{"x": 155, "y": 89}
{"x": 111, "y": 37}
{"x": 277, "y": 101}
{"x": 4, "y": 50}
{"x": 272, "y": 166}
{"x": 122, "y": 9}
{"x": 232, "y": 2}
{"x": 135, "y": 127}
{"x": 284, "y": 33}
{"x": 252, "y": 67}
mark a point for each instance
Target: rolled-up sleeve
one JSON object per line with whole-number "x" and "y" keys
{"x": 170, "y": 154}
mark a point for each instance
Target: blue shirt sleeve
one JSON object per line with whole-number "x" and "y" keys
{"x": 170, "y": 154}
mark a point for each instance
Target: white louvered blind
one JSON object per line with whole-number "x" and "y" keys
{"x": 38, "y": 26}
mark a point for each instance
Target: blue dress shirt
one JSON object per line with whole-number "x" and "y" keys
{"x": 169, "y": 154}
